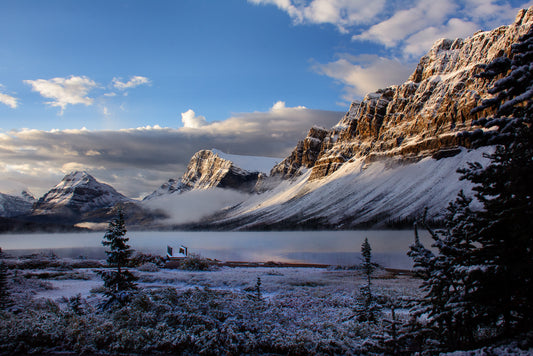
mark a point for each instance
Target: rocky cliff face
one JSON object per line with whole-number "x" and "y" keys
{"x": 392, "y": 155}
{"x": 303, "y": 156}
{"x": 76, "y": 195}
{"x": 419, "y": 118}
{"x": 207, "y": 169}
{"x": 214, "y": 169}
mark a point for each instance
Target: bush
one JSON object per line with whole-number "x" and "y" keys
{"x": 148, "y": 267}
{"x": 196, "y": 262}
{"x": 143, "y": 258}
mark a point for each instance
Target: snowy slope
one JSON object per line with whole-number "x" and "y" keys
{"x": 359, "y": 194}
{"x": 12, "y": 205}
{"x": 78, "y": 192}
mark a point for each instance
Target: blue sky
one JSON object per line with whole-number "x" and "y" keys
{"x": 129, "y": 90}
{"x": 214, "y": 57}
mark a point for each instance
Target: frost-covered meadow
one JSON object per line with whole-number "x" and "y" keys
{"x": 294, "y": 310}
{"x": 224, "y": 310}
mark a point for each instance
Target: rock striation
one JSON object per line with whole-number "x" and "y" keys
{"x": 416, "y": 119}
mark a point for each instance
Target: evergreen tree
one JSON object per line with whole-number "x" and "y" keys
{"x": 367, "y": 307}
{"x": 117, "y": 282}
{"x": 447, "y": 285}
{"x": 479, "y": 285}
{"x": 505, "y": 225}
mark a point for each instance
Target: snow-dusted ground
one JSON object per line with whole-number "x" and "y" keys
{"x": 275, "y": 281}
{"x": 307, "y": 311}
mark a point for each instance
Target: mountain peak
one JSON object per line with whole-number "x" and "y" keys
{"x": 77, "y": 193}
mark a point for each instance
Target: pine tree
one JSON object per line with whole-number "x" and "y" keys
{"x": 446, "y": 304}
{"x": 117, "y": 283}
{"x": 367, "y": 307}
{"x": 505, "y": 225}
{"x": 480, "y": 282}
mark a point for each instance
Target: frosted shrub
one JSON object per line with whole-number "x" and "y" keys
{"x": 196, "y": 262}
{"x": 148, "y": 267}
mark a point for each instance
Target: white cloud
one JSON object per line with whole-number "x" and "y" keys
{"x": 8, "y": 100}
{"x": 138, "y": 160}
{"x": 190, "y": 120}
{"x": 406, "y": 29}
{"x": 280, "y": 106}
{"x": 412, "y": 30}
{"x": 64, "y": 91}
{"x": 365, "y": 73}
{"x": 134, "y": 81}
{"x": 341, "y": 13}
{"x": 420, "y": 42}
{"x": 404, "y": 23}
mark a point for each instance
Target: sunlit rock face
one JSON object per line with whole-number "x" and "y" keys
{"x": 303, "y": 156}
{"x": 417, "y": 118}
{"x": 209, "y": 169}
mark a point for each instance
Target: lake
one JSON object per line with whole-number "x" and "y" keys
{"x": 389, "y": 247}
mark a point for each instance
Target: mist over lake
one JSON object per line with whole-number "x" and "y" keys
{"x": 389, "y": 247}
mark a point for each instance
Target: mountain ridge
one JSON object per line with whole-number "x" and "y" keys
{"x": 423, "y": 115}
{"x": 393, "y": 154}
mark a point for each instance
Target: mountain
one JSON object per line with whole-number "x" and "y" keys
{"x": 426, "y": 114}
{"x": 78, "y": 194}
{"x": 13, "y": 205}
{"x": 393, "y": 154}
{"x": 215, "y": 169}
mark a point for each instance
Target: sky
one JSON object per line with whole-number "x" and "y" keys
{"x": 129, "y": 90}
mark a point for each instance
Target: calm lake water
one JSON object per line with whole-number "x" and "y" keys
{"x": 389, "y": 247}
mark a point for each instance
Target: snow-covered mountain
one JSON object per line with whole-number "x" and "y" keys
{"x": 427, "y": 113}
{"x": 393, "y": 154}
{"x": 15, "y": 205}
{"x": 77, "y": 194}
{"x": 209, "y": 169}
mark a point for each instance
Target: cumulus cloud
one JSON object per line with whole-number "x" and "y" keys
{"x": 190, "y": 120}
{"x": 134, "y": 81}
{"x": 341, "y": 13}
{"x": 64, "y": 91}
{"x": 406, "y": 30}
{"x": 419, "y": 42}
{"x": 404, "y": 23}
{"x": 8, "y": 100}
{"x": 365, "y": 73}
{"x": 138, "y": 160}
{"x": 413, "y": 29}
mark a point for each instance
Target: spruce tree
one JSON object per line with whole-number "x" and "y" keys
{"x": 367, "y": 307}
{"x": 480, "y": 283}
{"x": 117, "y": 282}
{"x": 447, "y": 285}
{"x": 504, "y": 226}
